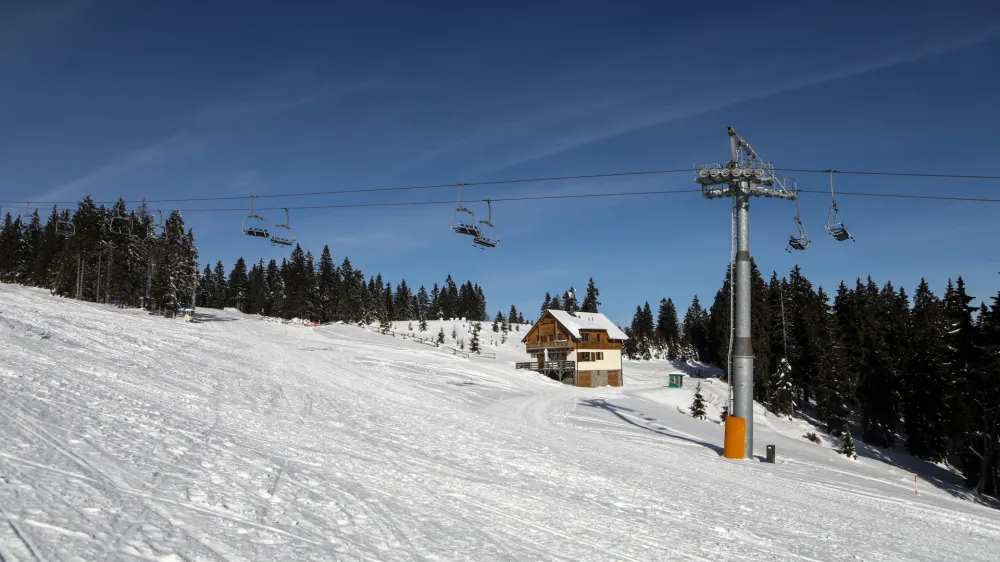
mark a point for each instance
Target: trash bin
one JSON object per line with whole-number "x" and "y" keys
{"x": 770, "y": 453}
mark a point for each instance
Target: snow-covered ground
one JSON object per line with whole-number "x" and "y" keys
{"x": 130, "y": 437}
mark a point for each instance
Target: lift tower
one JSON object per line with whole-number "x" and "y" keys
{"x": 745, "y": 175}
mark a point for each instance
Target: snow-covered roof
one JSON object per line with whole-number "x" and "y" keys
{"x": 587, "y": 321}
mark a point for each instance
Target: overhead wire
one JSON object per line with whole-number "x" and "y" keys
{"x": 539, "y": 180}
{"x": 575, "y": 196}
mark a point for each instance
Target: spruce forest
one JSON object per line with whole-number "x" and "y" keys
{"x": 130, "y": 259}
{"x": 923, "y": 371}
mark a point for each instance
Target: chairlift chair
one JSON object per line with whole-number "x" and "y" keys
{"x": 487, "y": 239}
{"x": 255, "y": 225}
{"x": 459, "y": 222}
{"x": 120, "y": 225}
{"x": 801, "y": 241}
{"x": 836, "y": 229}
{"x": 65, "y": 227}
{"x": 283, "y": 234}
{"x": 156, "y": 228}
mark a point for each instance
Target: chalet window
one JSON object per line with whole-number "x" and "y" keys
{"x": 585, "y": 356}
{"x": 585, "y": 337}
{"x": 599, "y": 356}
{"x": 598, "y": 337}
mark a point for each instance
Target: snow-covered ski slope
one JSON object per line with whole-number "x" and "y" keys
{"x": 130, "y": 437}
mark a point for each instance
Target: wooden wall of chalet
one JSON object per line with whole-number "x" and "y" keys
{"x": 546, "y": 326}
{"x": 594, "y": 344}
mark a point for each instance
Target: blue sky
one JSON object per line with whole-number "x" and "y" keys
{"x": 193, "y": 99}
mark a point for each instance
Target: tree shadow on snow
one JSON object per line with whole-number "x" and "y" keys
{"x": 927, "y": 472}
{"x": 623, "y": 413}
{"x": 693, "y": 369}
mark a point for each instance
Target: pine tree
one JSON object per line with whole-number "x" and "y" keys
{"x": 276, "y": 286}
{"x": 328, "y": 286}
{"x": 695, "y": 329}
{"x": 924, "y": 412}
{"x": 848, "y": 448}
{"x": 219, "y": 297}
{"x": 667, "y": 327}
{"x": 423, "y": 323}
{"x": 590, "y": 302}
{"x": 236, "y": 287}
{"x": 474, "y": 342}
{"x": 449, "y": 299}
{"x": 831, "y": 390}
{"x": 258, "y": 291}
{"x": 496, "y": 322}
{"x": 520, "y": 318}
{"x": 569, "y": 301}
{"x": 440, "y": 338}
{"x": 960, "y": 361}
{"x": 512, "y": 315}
{"x": 547, "y": 303}
{"x": 784, "y": 389}
{"x": 423, "y": 308}
{"x": 435, "y": 311}
{"x": 698, "y": 406}
{"x": 555, "y": 303}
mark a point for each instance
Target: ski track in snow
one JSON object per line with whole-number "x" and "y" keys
{"x": 129, "y": 437}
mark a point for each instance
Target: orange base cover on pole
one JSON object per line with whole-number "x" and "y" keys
{"x": 736, "y": 431}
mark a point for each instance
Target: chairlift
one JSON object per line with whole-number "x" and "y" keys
{"x": 120, "y": 225}
{"x": 65, "y": 227}
{"x": 836, "y": 229}
{"x": 800, "y": 242}
{"x": 255, "y": 225}
{"x": 483, "y": 240}
{"x": 283, "y": 234}
{"x": 156, "y": 228}
{"x": 461, "y": 224}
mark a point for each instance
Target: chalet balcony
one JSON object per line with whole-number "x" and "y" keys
{"x": 542, "y": 345}
{"x": 546, "y": 366}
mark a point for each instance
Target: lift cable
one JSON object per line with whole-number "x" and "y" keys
{"x": 523, "y": 180}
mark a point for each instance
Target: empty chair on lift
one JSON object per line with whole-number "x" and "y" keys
{"x": 839, "y": 232}
{"x": 255, "y": 225}
{"x": 120, "y": 225}
{"x": 156, "y": 229}
{"x": 487, "y": 237}
{"x": 283, "y": 234}
{"x": 801, "y": 241}
{"x": 462, "y": 224}
{"x": 65, "y": 228}
{"x": 797, "y": 243}
{"x": 836, "y": 229}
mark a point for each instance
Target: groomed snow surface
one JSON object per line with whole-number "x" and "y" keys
{"x": 131, "y": 437}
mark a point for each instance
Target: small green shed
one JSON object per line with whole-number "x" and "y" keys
{"x": 675, "y": 380}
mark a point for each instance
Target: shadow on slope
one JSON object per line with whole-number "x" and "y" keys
{"x": 624, "y": 414}
{"x": 940, "y": 476}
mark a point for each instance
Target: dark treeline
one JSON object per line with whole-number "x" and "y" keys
{"x": 128, "y": 258}
{"x": 300, "y": 288}
{"x": 921, "y": 370}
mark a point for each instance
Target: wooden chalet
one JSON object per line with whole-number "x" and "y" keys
{"x": 580, "y": 348}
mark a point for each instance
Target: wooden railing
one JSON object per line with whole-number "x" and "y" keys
{"x": 536, "y": 345}
{"x": 547, "y": 365}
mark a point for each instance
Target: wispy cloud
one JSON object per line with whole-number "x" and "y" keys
{"x": 599, "y": 124}
{"x": 164, "y": 150}
{"x": 256, "y": 107}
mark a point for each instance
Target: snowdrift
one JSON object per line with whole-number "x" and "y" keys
{"x": 230, "y": 438}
